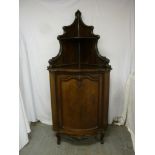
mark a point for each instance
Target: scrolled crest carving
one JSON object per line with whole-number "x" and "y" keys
{"x": 78, "y": 29}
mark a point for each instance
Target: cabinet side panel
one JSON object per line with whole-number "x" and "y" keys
{"x": 106, "y": 76}
{"x": 53, "y": 100}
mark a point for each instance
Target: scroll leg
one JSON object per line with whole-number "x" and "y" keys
{"x": 102, "y": 138}
{"x": 58, "y": 138}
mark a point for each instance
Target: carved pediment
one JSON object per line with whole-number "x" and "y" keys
{"x": 78, "y": 29}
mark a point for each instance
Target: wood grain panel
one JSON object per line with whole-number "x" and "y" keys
{"x": 79, "y": 102}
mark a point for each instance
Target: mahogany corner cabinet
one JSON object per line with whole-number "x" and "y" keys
{"x": 79, "y": 84}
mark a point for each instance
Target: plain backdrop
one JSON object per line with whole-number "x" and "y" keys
{"x": 40, "y": 23}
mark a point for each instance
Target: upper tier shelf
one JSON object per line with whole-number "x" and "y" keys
{"x": 78, "y": 38}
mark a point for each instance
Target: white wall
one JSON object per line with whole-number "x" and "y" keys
{"x": 40, "y": 23}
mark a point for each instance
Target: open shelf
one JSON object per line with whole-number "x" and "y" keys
{"x": 78, "y": 38}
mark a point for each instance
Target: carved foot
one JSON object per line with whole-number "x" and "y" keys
{"x": 58, "y": 138}
{"x": 102, "y": 138}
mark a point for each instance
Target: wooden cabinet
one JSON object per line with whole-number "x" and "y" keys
{"x": 79, "y": 82}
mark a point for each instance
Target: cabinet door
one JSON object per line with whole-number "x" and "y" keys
{"x": 78, "y": 101}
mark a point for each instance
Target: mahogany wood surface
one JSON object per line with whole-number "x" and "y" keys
{"x": 79, "y": 83}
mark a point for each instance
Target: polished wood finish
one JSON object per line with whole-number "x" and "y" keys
{"x": 79, "y": 82}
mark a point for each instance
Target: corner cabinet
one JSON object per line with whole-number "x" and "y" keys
{"x": 79, "y": 83}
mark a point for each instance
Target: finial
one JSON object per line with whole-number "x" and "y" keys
{"x": 78, "y": 13}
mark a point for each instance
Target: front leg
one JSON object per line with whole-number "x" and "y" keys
{"x": 102, "y": 138}
{"x": 58, "y": 138}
